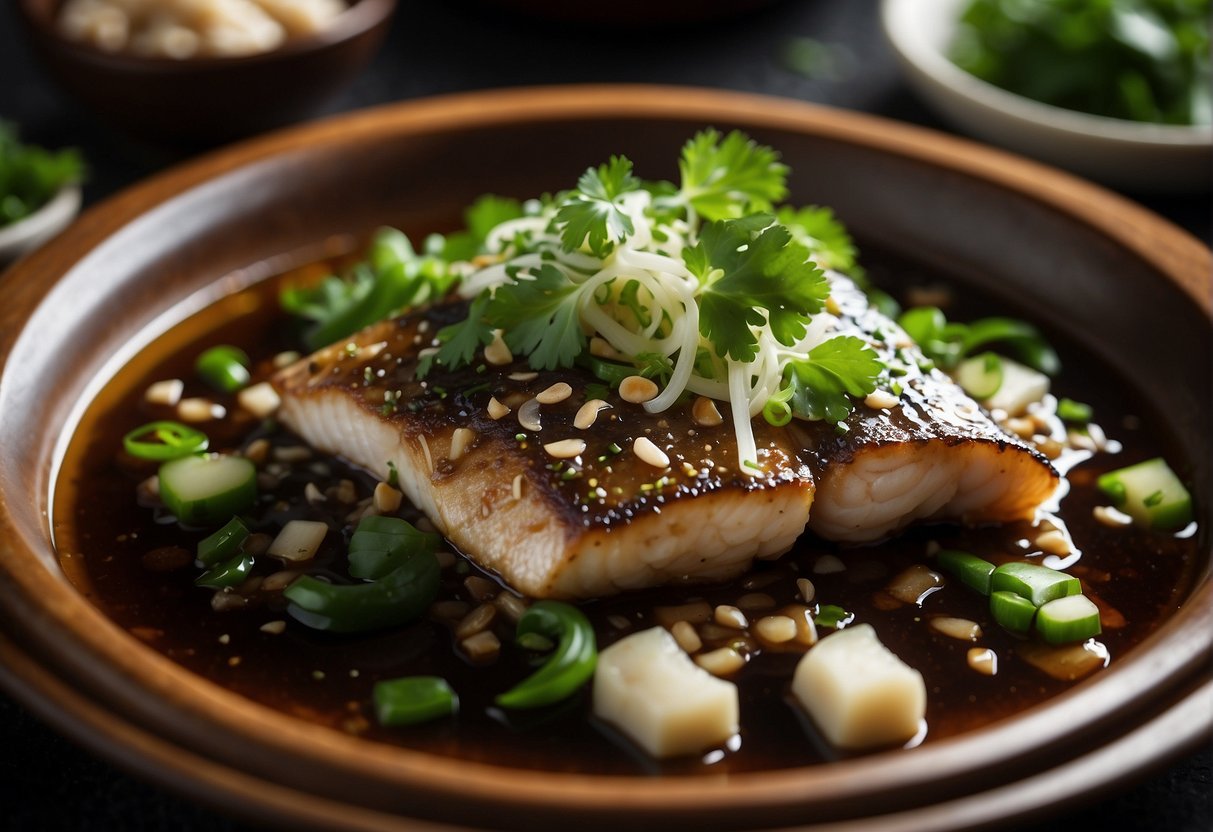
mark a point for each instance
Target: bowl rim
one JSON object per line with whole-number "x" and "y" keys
{"x": 359, "y": 18}
{"x": 902, "y": 21}
{"x": 49, "y": 218}
{"x": 60, "y": 610}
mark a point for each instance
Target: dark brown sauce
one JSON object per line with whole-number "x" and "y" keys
{"x": 103, "y": 535}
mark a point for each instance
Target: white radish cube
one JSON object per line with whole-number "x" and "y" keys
{"x": 261, "y": 399}
{"x": 858, "y": 692}
{"x": 1021, "y": 386}
{"x": 650, "y": 689}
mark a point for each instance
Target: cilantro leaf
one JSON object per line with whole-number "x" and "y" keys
{"x": 592, "y": 214}
{"x": 460, "y": 341}
{"x": 747, "y": 266}
{"x": 824, "y": 235}
{"x": 654, "y": 365}
{"x": 540, "y": 318}
{"x": 834, "y": 371}
{"x": 730, "y": 178}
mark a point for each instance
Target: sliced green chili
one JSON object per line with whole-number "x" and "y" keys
{"x": 1039, "y": 584}
{"x": 413, "y": 699}
{"x": 832, "y": 616}
{"x": 224, "y": 367}
{"x": 1069, "y": 619}
{"x": 1077, "y": 413}
{"x": 173, "y": 441}
{"x": 397, "y": 598}
{"x": 223, "y": 544}
{"x": 571, "y": 664}
{"x": 969, "y": 569}
{"x": 1012, "y": 611}
{"x": 230, "y": 573}
{"x": 379, "y": 545}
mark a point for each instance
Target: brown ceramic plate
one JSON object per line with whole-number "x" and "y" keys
{"x": 1135, "y": 290}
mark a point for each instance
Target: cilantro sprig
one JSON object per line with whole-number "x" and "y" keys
{"x": 707, "y": 285}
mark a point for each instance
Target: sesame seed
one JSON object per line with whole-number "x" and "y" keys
{"x": 587, "y": 414}
{"x": 721, "y": 662}
{"x": 601, "y": 348}
{"x": 497, "y": 353}
{"x": 496, "y": 409}
{"x": 646, "y": 451}
{"x": 961, "y": 629}
{"x": 565, "y": 448}
{"x": 387, "y": 499}
{"x": 273, "y": 627}
{"x": 167, "y": 392}
{"x": 684, "y": 633}
{"x": 881, "y": 400}
{"x": 728, "y": 616}
{"x": 558, "y": 392}
{"x": 461, "y": 440}
{"x": 806, "y": 589}
{"x": 523, "y": 376}
{"x": 199, "y": 410}
{"x": 1111, "y": 517}
{"x": 776, "y": 629}
{"x": 705, "y": 413}
{"x": 1054, "y": 542}
{"x": 983, "y": 660}
{"x": 637, "y": 389}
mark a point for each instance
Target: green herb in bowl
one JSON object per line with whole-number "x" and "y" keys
{"x": 30, "y": 176}
{"x": 1140, "y": 60}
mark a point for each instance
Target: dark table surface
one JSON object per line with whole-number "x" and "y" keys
{"x": 48, "y": 783}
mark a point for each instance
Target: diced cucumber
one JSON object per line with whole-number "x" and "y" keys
{"x": 1150, "y": 493}
{"x": 1039, "y": 584}
{"x": 1069, "y": 619}
{"x": 970, "y": 570}
{"x": 206, "y": 490}
{"x": 981, "y": 375}
{"x": 1012, "y": 611}
{"x": 1021, "y": 386}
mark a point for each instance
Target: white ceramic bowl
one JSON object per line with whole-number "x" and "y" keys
{"x": 27, "y": 234}
{"x": 1125, "y": 154}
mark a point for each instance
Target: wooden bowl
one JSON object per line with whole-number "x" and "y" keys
{"x": 205, "y": 100}
{"x": 1135, "y": 289}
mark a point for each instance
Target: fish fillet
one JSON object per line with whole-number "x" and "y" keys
{"x": 935, "y": 456}
{"x": 606, "y": 520}
{"x": 599, "y": 523}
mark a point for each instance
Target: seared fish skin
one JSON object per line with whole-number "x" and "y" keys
{"x": 934, "y": 456}
{"x": 600, "y": 522}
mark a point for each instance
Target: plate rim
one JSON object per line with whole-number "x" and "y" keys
{"x": 1154, "y": 240}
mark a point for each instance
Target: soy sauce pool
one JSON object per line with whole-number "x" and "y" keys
{"x": 119, "y": 553}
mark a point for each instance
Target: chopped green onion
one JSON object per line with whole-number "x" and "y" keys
{"x": 224, "y": 367}
{"x": 1150, "y": 493}
{"x": 1039, "y": 584}
{"x": 231, "y": 573}
{"x": 569, "y": 666}
{"x": 980, "y": 376}
{"x": 970, "y": 570}
{"x": 1012, "y": 611}
{"x": 393, "y": 475}
{"x": 1066, "y": 620}
{"x": 223, "y": 544}
{"x": 395, "y": 599}
{"x": 609, "y": 371}
{"x": 413, "y": 699}
{"x": 206, "y": 490}
{"x": 379, "y": 544}
{"x": 1074, "y": 412}
{"x": 832, "y": 616}
{"x": 173, "y": 441}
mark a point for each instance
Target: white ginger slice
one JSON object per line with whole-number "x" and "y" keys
{"x": 860, "y": 694}
{"x": 651, "y": 690}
